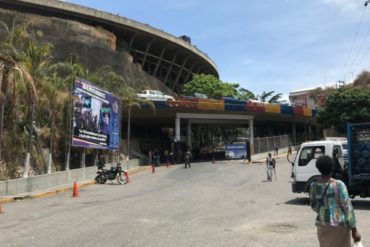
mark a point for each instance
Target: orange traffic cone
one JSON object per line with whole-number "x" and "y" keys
{"x": 1, "y": 209}
{"x": 127, "y": 178}
{"x": 75, "y": 190}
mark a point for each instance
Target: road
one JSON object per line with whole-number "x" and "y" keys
{"x": 222, "y": 204}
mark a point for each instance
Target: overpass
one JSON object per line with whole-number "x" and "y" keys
{"x": 261, "y": 119}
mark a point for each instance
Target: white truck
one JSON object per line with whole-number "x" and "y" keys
{"x": 304, "y": 166}
{"x": 354, "y": 171}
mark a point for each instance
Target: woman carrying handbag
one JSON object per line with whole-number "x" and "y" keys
{"x": 335, "y": 221}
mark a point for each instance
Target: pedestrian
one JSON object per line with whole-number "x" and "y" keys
{"x": 150, "y": 157}
{"x": 276, "y": 150}
{"x": 329, "y": 198}
{"x": 156, "y": 158}
{"x": 166, "y": 157}
{"x": 187, "y": 158}
{"x": 290, "y": 149}
{"x": 270, "y": 166}
{"x": 172, "y": 157}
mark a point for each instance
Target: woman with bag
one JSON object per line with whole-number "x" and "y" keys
{"x": 329, "y": 198}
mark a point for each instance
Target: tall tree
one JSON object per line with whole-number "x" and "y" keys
{"x": 210, "y": 86}
{"x": 345, "y": 105}
{"x": 245, "y": 94}
{"x": 12, "y": 68}
{"x": 69, "y": 70}
{"x": 269, "y": 97}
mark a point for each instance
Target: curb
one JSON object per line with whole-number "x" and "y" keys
{"x": 51, "y": 192}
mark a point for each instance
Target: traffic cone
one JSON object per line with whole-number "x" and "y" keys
{"x": 1, "y": 209}
{"x": 75, "y": 190}
{"x": 126, "y": 175}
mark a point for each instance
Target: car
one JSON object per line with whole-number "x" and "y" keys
{"x": 198, "y": 95}
{"x": 155, "y": 95}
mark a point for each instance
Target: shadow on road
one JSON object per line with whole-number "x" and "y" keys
{"x": 361, "y": 204}
{"x": 299, "y": 201}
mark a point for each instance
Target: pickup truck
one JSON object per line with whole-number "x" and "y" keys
{"x": 155, "y": 95}
{"x": 355, "y": 173}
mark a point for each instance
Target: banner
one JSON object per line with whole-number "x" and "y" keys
{"x": 96, "y": 119}
{"x": 235, "y": 151}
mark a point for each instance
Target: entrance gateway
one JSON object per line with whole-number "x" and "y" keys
{"x": 200, "y": 118}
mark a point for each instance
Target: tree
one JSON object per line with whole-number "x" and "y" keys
{"x": 362, "y": 80}
{"x": 210, "y": 86}
{"x": 345, "y": 105}
{"x": 269, "y": 97}
{"x": 13, "y": 71}
{"x": 245, "y": 94}
{"x": 69, "y": 70}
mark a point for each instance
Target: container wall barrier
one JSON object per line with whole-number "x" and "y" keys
{"x": 210, "y": 104}
{"x": 272, "y": 108}
{"x": 255, "y": 106}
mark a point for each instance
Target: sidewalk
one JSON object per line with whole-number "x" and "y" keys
{"x": 60, "y": 189}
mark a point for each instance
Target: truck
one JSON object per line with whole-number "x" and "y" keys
{"x": 354, "y": 170}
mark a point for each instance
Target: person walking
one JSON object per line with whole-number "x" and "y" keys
{"x": 276, "y": 150}
{"x": 156, "y": 158}
{"x": 329, "y": 198}
{"x": 290, "y": 149}
{"x": 270, "y": 166}
{"x": 187, "y": 158}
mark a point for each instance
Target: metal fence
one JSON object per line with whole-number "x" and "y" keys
{"x": 267, "y": 144}
{"x": 47, "y": 181}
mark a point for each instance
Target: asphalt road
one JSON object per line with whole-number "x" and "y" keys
{"x": 225, "y": 204}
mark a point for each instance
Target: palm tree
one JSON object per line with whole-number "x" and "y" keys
{"x": 269, "y": 97}
{"x": 37, "y": 59}
{"x": 69, "y": 71}
{"x": 13, "y": 70}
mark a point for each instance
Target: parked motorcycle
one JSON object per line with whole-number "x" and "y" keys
{"x": 114, "y": 173}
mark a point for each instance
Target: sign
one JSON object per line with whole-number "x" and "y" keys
{"x": 96, "y": 119}
{"x": 235, "y": 151}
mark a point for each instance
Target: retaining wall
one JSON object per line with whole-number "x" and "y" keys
{"x": 47, "y": 181}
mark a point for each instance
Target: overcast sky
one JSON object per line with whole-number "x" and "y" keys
{"x": 280, "y": 45}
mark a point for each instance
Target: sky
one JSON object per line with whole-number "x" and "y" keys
{"x": 264, "y": 45}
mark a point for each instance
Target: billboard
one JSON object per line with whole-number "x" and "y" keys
{"x": 96, "y": 119}
{"x": 235, "y": 151}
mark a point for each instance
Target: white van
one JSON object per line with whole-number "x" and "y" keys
{"x": 304, "y": 165}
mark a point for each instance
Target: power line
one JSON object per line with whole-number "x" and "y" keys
{"x": 354, "y": 40}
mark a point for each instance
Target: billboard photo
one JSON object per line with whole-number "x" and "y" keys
{"x": 235, "y": 151}
{"x": 96, "y": 117}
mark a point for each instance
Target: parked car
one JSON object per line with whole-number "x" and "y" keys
{"x": 155, "y": 95}
{"x": 198, "y": 95}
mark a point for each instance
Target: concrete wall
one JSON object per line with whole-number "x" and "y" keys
{"x": 48, "y": 181}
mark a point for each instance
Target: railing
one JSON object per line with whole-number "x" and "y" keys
{"x": 47, "y": 181}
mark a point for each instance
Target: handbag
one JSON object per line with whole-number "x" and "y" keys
{"x": 358, "y": 244}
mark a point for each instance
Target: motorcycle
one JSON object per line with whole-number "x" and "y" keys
{"x": 111, "y": 174}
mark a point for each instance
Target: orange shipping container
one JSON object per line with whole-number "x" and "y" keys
{"x": 307, "y": 112}
{"x": 210, "y": 104}
{"x": 272, "y": 108}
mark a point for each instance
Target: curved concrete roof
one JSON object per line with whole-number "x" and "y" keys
{"x": 170, "y": 58}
